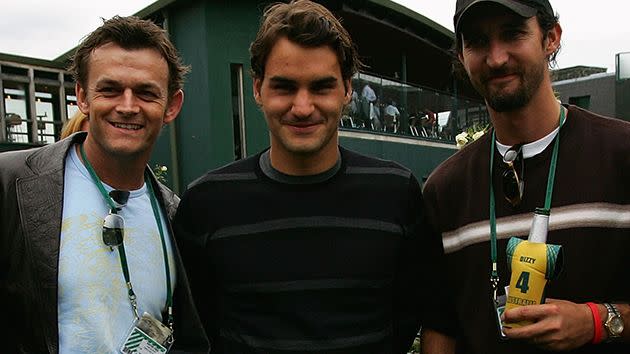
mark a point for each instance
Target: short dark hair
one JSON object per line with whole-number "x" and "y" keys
{"x": 305, "y": 23}
{"x": 547, "y": 22}
{"x": 130, "y": 33}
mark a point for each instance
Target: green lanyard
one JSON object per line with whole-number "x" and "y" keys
{"x": 494, "y": 274}
{"x": 121, "y": 247}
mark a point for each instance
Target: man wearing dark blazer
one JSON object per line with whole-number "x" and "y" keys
{"x": 87, "y": 258}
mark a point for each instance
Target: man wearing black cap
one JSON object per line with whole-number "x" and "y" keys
{"x": 539, "y": 153}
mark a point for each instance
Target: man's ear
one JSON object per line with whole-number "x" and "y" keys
{"x": 348, "y": 87}
{"x": 82, "y": 101}
{"x": 554, "y": 36}
{"x": 174, "y": 107}
{"x": 460, "y": 49}
{"x": 460, "y": 57}
{"x": 257, "y": 88}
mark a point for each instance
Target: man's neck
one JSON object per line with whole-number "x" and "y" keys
{"x": 303, "y": 165}
{"x": 122, "y": 174}
{"x": 529, "y": 123}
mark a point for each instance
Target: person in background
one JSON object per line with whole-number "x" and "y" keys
{"x": 77, "y": 123}
{"x": 368, "y": 106}
{"x": 375, "y": 115}
{"x": 307, "y": 247}
{"x": 368, "y": 93}
{"x": 429, "y": 123}
{"x": 354, "y": 104}
{"x": 539, "y": 154}
{"x": 392, "y": 117}
{"x": 86, "y": 248}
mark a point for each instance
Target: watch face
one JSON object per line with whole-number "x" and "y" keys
{"x": 616, "y": 325}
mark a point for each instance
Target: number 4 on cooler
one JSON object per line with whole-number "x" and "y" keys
{"x": 523, "y": 282}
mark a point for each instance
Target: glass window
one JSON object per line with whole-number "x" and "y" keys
{"x": 394, "y": 107}
{"x": 581, "y": 101}
{"x": 71, "y": 105}
{"x": 16, "y": 106}
{"x": 48, "y": 123}
{"x": 238, "y": 111}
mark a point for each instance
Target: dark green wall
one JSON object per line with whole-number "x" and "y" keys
{"x": 420, "y": 159}
{"x": 190, "y": 131}
{"x": 622, "y": 99}
{"x": 233, "y": 38}
{"x": 210, "y": 36}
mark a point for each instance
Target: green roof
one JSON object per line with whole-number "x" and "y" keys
{"x": 32, "y": 61}
{"x": 441, "y": 34}
{"x": 414, "y": 15}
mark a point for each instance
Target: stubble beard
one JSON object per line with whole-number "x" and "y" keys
{"x": 305, "y": 149}
{"x": 501, "y": 101}
{"x": 310, "y": 147}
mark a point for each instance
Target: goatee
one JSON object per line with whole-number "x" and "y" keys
{"x": 505, "y": 101}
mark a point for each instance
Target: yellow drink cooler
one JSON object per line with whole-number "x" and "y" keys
{"x": 532, "y": 263}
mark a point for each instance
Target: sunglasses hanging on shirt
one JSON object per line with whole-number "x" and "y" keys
{"x": 513, "y": 182}
{"x": 113, "y": 230}
{"x": 114, "y": 224}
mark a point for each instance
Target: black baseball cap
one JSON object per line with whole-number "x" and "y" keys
{"x": 524, "y": 8}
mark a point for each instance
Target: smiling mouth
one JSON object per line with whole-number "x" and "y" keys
{"x": 127, "y": 126}
{"x": 303, "y": 125}
{"x": 502, "y": 75}
{"x": 301, "y": 129}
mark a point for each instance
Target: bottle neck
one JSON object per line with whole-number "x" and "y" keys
{"x": 540, "y": 225}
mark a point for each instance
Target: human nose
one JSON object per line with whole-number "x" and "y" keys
{"x": 302, "y": 104}
{"x": 127, "y": 104}
{"x": 497, "y": 55}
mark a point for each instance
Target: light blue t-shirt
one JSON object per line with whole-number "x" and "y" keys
{"x": 95, "y": 315}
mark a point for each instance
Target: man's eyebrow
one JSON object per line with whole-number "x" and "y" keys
{"x": 325, "y": 81}
{"x": 518, "y": 24}
{"x": 320, "y": 81}
{"x": 147, "y": 86}
{"x": 115, "y": 83}
{"x": 107, "y": 82}
{"x": 281, "y": 80}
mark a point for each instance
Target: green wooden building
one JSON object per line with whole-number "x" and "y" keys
{"x": 408, "y": 61}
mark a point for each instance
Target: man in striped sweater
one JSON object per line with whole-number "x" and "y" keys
{"x": 505, "y": 47}
{"x": 307, "y": 247}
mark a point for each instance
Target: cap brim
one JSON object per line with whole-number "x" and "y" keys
{"x": 519, "y": 8}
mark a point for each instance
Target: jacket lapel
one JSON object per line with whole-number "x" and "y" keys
{"x": 40, "y": 201}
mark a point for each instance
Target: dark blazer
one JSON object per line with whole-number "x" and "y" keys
{"x": 31, "y": 200}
